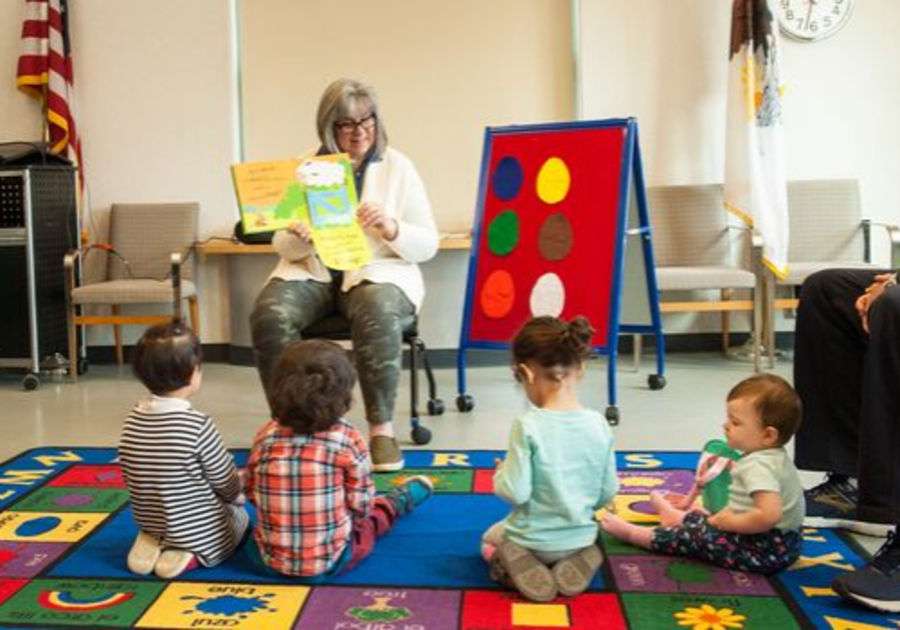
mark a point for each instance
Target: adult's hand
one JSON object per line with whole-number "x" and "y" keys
{"x": 371, "y": 215}
{"x": 300, "y": 229}
{"x": 873, "y": 292}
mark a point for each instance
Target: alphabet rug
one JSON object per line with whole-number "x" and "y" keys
{"x": 66, "y": 528}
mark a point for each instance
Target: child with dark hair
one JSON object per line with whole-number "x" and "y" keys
{"x": 759, "y": 529}
{"x": 184, "y": 487}
{"x": 559, "y": 470}
{"x": 310, "y": 474}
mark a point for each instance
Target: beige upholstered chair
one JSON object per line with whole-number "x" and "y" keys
{"x": 692, "y": 244}
{"x": 827, "y": 231}
{"x": 150, "y": 247}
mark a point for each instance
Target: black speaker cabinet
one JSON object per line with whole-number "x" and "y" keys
{"x": 38, "y": 225}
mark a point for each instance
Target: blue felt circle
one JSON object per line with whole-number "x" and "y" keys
{"x": 508, "y": 176}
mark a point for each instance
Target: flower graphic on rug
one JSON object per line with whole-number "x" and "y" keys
{"x": 229, "y": 605}
{"x": 379, "y": 611}
{"x": 708, "y": 618}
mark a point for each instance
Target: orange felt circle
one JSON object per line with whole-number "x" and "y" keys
{"x": 498, "y": 294}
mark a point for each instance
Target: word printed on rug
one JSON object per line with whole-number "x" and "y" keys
{"x": 66, "y": 528}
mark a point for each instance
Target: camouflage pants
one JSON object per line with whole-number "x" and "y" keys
{"x": 378, "y": 313}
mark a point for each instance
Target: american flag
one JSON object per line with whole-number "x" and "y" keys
{"x": 45, "y": 73}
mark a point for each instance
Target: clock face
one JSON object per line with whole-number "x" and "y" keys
{"x": 810, "y": 20}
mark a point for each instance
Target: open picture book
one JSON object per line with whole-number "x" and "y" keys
{"x": 318, "y": 190}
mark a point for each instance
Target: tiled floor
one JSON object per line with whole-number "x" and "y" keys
{"x": 682, "y": 416}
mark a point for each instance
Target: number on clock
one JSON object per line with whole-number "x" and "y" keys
{"x": 811, "y": 20}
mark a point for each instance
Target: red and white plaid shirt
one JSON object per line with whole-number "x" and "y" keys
{"x": 308, "y": 490}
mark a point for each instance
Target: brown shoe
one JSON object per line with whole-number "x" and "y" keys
{"x": 386, "y": 455}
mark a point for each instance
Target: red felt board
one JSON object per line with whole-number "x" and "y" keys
{"x": 594, "y": 160}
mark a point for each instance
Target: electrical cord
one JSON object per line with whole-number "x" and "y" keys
{"x": 187, "y": 253}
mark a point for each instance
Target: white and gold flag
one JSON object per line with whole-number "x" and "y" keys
{"x": 755, "y": 187}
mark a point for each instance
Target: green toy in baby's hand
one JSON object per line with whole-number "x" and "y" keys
{"x": 713, "y": 478}
{"x": 714, "y": 473}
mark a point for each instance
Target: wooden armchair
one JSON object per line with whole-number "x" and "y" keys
{"x": 147, "y": 262}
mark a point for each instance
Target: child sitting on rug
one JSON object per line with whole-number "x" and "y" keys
{"x": 559, "y": 470}
{"x": 184, "y": 487}
{"x": 759, "y": 529}
{"x": 310, "y": 475}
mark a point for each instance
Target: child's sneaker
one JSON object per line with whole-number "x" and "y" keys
{"x": 173, "y": 562}
{"x": 144, "y": 554}
{"x": 531, "y": 577}
{"x": 573, "y": 574}
{"x": 412, "y": 493}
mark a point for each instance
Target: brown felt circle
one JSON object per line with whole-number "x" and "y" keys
{"x": 555, "y": 239}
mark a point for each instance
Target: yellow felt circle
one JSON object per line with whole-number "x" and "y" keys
{"x": 553, "y": 181}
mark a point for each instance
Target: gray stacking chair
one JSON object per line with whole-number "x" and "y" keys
{"x": 693, "y": 248}
{"x": 147, "y": 262}
{"x": 827, "y": 231}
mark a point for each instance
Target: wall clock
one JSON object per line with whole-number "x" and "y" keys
{"x": 812, "y": 20}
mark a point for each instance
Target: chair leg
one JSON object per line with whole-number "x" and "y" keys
{"x": 637, "y": 350}
{"x": 726, "y": 322}
{"x": 117, "y": 334}
{"x": 73, "y": 342}
{"x": 429, "y": 373}
{"x": 414, "y": 379}
{"x": 758, "y": 326}
{"x": 194, "y": 308}
{"x": 769, "y": 326}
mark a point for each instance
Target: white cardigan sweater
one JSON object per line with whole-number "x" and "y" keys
{"x": 393, "y": 183}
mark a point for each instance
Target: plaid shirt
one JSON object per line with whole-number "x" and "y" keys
{"x": 308, "y": 490}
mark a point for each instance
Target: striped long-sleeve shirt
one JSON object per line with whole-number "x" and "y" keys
{"x": 308, "y": 490}
{"x": 182, "y": 481}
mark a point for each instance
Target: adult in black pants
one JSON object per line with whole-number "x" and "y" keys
{"x": 847, "y": 373}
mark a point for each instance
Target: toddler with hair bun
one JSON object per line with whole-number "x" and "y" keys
{"x": 559, "y": 469}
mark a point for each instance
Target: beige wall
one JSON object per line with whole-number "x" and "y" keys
{"x": 156, "y": 90}
{"x": 666, "y": 63}
{"x": 158, "y": 97}
{"x": 443, "y": 71}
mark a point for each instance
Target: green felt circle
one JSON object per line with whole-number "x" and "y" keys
{"x": 503, "y": 233}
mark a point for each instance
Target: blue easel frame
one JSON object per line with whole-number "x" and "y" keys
{"x": 630, "y": 181}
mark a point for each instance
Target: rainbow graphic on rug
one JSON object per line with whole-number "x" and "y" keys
{"x": 66, "y": 528}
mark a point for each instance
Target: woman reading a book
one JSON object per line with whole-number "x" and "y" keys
{"x": 380, "y": 298}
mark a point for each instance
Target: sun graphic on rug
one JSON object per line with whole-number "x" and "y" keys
{"x": 399, "y": 480}
{"x": 229, "y": 605}
{"x": 708, "y": 618}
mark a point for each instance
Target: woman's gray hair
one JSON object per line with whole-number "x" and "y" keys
{"x": 343, "y": 99}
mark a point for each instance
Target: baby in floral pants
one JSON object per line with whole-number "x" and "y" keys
{"x": 759, "y": 529}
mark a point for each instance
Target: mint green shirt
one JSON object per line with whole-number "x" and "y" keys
{"x": 560, "y": 469}
{"x": 770, "y": 470}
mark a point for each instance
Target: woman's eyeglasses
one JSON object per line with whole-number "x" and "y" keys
{"x": 349, "y": 126}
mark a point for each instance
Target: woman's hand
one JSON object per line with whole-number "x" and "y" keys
{"x": 371, "y": 215}
{"x": 873, "y": 292}
{"x": 301, "y": 230}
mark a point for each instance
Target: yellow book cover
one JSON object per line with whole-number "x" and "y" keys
{"x": 269, "y": 196}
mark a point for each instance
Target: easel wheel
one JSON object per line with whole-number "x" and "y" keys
{"x": 612, "y": 415}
